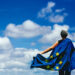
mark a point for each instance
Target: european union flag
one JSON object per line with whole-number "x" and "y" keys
{"x": 62, "y": 57}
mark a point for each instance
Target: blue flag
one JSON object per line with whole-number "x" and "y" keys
{"x": 62, "y": 57}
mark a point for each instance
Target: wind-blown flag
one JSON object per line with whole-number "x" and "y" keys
{"x": 62, "y": 57}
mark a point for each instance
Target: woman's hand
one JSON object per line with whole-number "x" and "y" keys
{"x": 40, "y": 53}
{"x": 50, "y": 48}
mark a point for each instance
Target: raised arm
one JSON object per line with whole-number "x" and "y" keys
{"x": 50, "y": 48}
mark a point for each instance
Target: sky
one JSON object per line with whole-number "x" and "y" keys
{"x": 30, "y": 26}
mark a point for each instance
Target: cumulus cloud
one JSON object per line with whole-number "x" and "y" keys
{"x": 27, "y": 29}
{"x": 59, "y": 10}
{"x": 72, "y": 36}
{"x": 22, "y": 64}
{"x": 54, "y": 16}
{"x": 4, "y": 55}
{"x": 5, "y": 48}
{"x": 20, "y": 60}
{"x": 46, "y": 10}
{"x": 74, "y": 44}
{"x": 54, "y": 35}
{"x": 5, "y": 43}
{"x": 18, "y": 63}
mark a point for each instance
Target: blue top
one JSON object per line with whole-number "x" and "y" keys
{"x": 62, "y": 57}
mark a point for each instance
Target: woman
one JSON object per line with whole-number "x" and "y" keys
{"x": 63, "y": 36}
{"x": 60, "y": 59}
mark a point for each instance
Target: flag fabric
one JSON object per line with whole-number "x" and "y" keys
{"x": 61, "y": 57}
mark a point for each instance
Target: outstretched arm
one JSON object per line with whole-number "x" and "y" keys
{"x": 47, "y": 50}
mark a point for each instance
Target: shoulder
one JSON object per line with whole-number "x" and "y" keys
{"x": 66, "y": 40}
{"x": 59, "y": 41}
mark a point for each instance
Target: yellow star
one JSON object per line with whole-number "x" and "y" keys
{"x": 51, "y": 56}
{"x": 60, "y": 62}
{"x": 57, "y": 54}
{"x": 46, "y": 60}
{"x": 47, "y": 66}
{"x": 57, "y": 67}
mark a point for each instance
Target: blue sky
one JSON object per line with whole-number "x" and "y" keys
{"x": 28, "y": 26}
{"x": 18, "y": 11}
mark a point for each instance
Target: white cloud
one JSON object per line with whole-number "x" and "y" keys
{"x": 22, "y": 64}
{"x": 56, "y": 18}
{"x": 72, "y": 36}
{"x": 5, "y": 51}
{"x": 14, "y": 63}
{"x": 27, "y": 29}
{"x": 5, "y": 43}
{"x": 46, "y": 10}
{"x": 54, "y": 35}
{"x": 74, "y": 44}
{"x": 19, "y": 58}
{"x": 5, "y": 48}
{"x": 4, "y": 55}
{"x": 30, "y": 29}
{"x": 59, "y": 10}
{"x": 52, "y": 15}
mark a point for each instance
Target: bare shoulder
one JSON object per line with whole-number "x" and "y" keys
{"x": 55, "y": 44}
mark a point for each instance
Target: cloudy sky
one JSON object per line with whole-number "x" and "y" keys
{"x": 28, "y": 27}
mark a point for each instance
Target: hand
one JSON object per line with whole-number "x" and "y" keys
{"x": 40, "y": 53}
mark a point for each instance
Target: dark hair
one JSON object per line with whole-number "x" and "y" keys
{"x": 64, "y": 34}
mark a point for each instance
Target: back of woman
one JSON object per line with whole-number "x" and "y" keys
{"x": 61, "y": 59}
